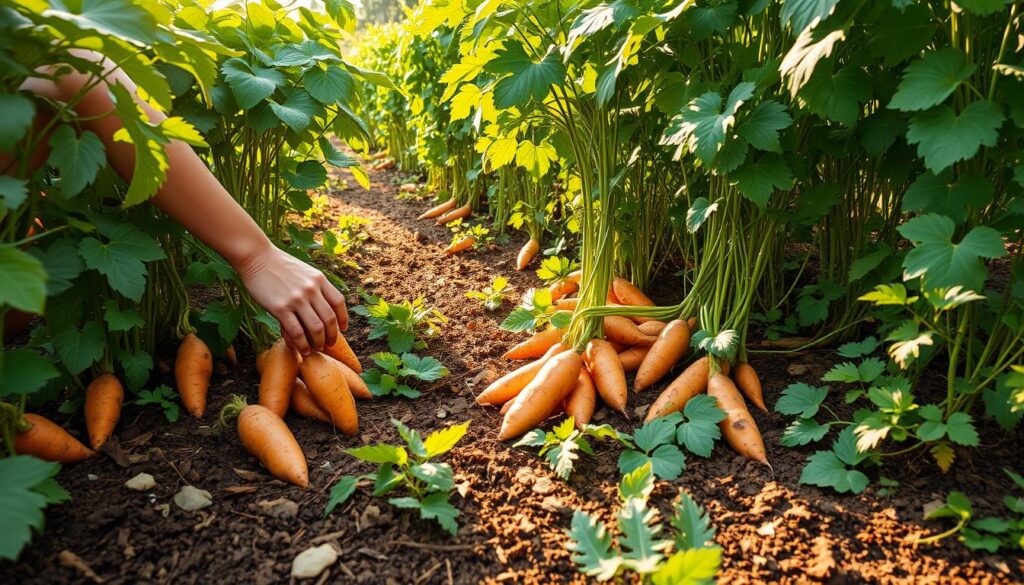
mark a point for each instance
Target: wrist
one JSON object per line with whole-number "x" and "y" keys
{"x": 251, "y": 256}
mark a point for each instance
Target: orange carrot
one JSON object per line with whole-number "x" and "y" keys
{"x": 342, "y": 352}
{"x": 621, "y": 347}
{"x": 230, "y": 356}
{"x": 457, "y": 213}
{"x": 265, "y": 435}
{"x": 261, "y": 359}
{"x": 606, "y": 369}
{"x": 562, "y": 288}
{"x": 622, "y": 330}
{"x": 670, "y": 347}
{"x": 629, "y": 294}
{"x": 103, "y": 400}
{"x": 692, "y": 324}
{"x": 279, "y": 370}
{"x": 527, "y": 253}
{"x": 690, "y": 383}
{"x": 574, "y": 276}
{"x": 536, "y": 345}
{"x": 508, "y": 386}
{"x": 738, "y": 427}
{"x": 192, "y": 370}
{"x": 303, "y": 403}
{"x": 651, "y": 327}
{"x": 567, "y": 304}
{"x": 543, "y": 395}
{"x": 633, "y": 357}
{"x": 49, "y": 441}
{"x": 581, "y": 401}
{"x": 326, "y": 382}
{"x": 750, "y": 384}
{"x": 356, "y": 385}
{"x": 438, "y": 210}
{"x": 460, "y": 245}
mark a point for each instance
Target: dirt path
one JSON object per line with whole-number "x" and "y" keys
{"x": 514, "y": 511}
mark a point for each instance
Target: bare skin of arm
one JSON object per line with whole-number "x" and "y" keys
{"x": 310, "y": 309}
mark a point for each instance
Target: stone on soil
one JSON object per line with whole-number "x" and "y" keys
{"x": 312, "y": 561}
{"x": 141, "y": 482}
{"x": 190, "y": 498}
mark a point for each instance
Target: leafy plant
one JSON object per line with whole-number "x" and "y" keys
{"x": 27, "y": 487}
{"x": 658, "y": 442}
{"x": 534, "y": 312}
{"x": 491, "y": 296}
{"x": 411, "y": 468}
{"x": 402, "y": 324}
{"x": 687, "y": 556}
{"x": 990, "y": 533}
{"x": 555, "y": 269}
{"x": 560, "y": 447}
{"x": 396, "y": 373}
{"x": 163, "y": 397}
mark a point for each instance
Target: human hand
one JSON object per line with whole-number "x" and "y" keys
{"x": 311, "y": 311}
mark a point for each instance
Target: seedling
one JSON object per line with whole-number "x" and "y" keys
{"x": 561, "y": 445}
{"x": 401, "y": 323}
{"x": 397, "y": 374}
{"x": 491, "y": 296}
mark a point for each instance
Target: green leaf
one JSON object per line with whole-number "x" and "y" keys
{"x": 437, "y": 507}
{"x": 888, "y": 294}
{"x": 824, "y": 469}
{"x": 226, "y": 318}
{"x": 137, "y": 367}
{"x": 341, "y": 492}
{"x": 761, "y": 128}
{"x": 699, "y": 212}
{"x": 78, "y": 158}
{"x": 799, "y": 14}
{"x": 668, "y": 462}
{"x": 26, "y": 487}
{"x": 119, "y": 18}
{"x": 938, "y": 194}
{"x": 637, "y": 483}
{"x": 121, "y": 320}
{"x": 442, "y": 441}
{"x": 592, "y": 547}
{"x": 380, "y": 453}
{"x": 692, "y": 524}
{"x": 122, "y": 259}
{"x": 856, "y": 349}
{"x": 700, "y": 430}
{"x": 939, "y": 261}
{"x": 24, "y": 371}
{"x": 957, "y": 506}
{"x": 534, "y": 438}
{"x": 19, "y": 112}
{"x": 703, "y": 126}
{"x": 656, "y": 432}
{"x": 437, "y": 476}
{"x": 641, "y": 548}
{"x": 304, "y": 53}
{"x": 838, "y": 95}
{"x": 251, "y": 84}
{"x": 931, "y": 79}
{"x": 297, "y": 111}
{"x": 804, "y": 431}
{"x": 519, "y": 320}
{"x": 24, "y": 283}
{"x": 61, "y": 262}
{"x": 80, "y": 348}
{"x": 308, "y": 174}
{"x": 901, "y": 34}
{"x": 151, "y": 164}
{"x": 425, "y": 368}
{"x": 801, "y": 399}
{"x": 562, "y": 456}
{"x": 983, "y": 8}
{"x": 689, "y": 567}
{"x": 943, "y": 138}
{"x": 960, "y": 429}
{"x": 757, "y": 180}
{"x": 13, "y": 192}
{"x": 526, "y": 80}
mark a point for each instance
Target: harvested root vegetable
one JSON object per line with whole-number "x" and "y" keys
{"x": 457, "y": 213}
{"x": 49, "y": 441}
{"x": 280, "y": 366}
{"x": 511, "y": 384}
{"x": 633, "y": 357}
{"x": 103, "y": 400}
{"x": 666, "y": 352}
{"x": 304, "y": 405}
{"x": 622, "y": 330}
{"x": 460, "y": 245}
{"x": 574, "y": 276}
{"x": 692, "y": 324}
{"x": 438, "y": 210}
{"x": 536, "y": 345}
{"x": 230, "y": 356}
{"x": 527, "y": 253}
{"x": 326, "y": 382}
{"x": 342, "y": 352}
{"x": 651, "y": 327}
{"x": 629, "y": 294}
{"x": 268, "y": 438}
{"x": 562, "y": 288}
{"x": 192, "y": 370}
{"x": 261, "y": 359}
{"x": 582, "y": 400}
{"x": 356, "y": 385}
{"x": 543, "y": 395}
{"x": 749, "y": 384}
{"x": 567, "y": 304}
{"x": 738, "y": 427}
{"x": 606, "y": 369}
{"x": 688, "y": 384}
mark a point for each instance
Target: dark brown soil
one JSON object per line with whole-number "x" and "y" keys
{"x": 772, "y": 529}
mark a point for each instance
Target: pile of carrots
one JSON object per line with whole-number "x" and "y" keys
{"x": 323, "y": 386}
{"x": 562, "y": 380}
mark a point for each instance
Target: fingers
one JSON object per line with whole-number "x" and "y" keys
{"x": 313, "y": 325}
{"x": 327, "y": 317}
{"x": 293, "y": 332}
{"x": 337, "y": 302}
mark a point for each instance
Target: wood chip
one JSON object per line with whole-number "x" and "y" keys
{"x": 248, "y": 475}
{"x": 233, "y": 490}
{"x": 75, "y": 563}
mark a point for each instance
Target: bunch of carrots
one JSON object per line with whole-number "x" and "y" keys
{"x": 322, "y": 386}
{"x": 561, "y": 379}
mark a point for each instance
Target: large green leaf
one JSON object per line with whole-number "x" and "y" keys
{"x": 80, "y": 348}
{"x": 761, "y": 128}
{"x": 525, "y": 79}
{"x": 329, "y": 85}
{"x": 757, "y": 180}
{"x": 61, "y": 262}
{"x": 930, "y": 80}
{"x": 24, "y": 283}
{"x": 308, "y": 174}
{"x": 304, "y": 53}
{"x": 297, "y": 111}
{"x": 689, "y": 567}
{"x": 939, "y": 194}
{"x": 251, "y": 84}
{"x": 78, "y": 158}
{"x": 18, "y": 114}
{"x": 943, "y": 263}
{"x": 899, "y": 35}
{"x": 119, "y": 18}
{"x": 943, "y": 138}
{"x": 13, "y": 192}
{"x": 592, "y": 547}
{"x": 150, "y": 169}
{"x": 801, "y": 13}
{"x": 122, "y": 258}
{"x": 24, "y": 371}
{"x": 838, "y": 95}
{"x": 703, "y": 126}
{"x": 26, "y": 487}
{"x": 641, "y": 547}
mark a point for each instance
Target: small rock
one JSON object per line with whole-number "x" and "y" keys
{"x": 141, "y": 483}
{"x": 552, "y": 504}
{"x": 641, "y": 410}
{"x": 417, "y": 237}
{"x": 796, "y": 369}
{"x": 524, "y": 475}
{"x": 279, "y": 508}
{"x": 191, "y": 499}
{"x": 767, "y": 529}
{"x": 543, "y": 486}
{"x": 312, "y": 561}
{"x": 370, "y": 517}
{"x": 91, "y": 477}
{"x": 525, "y": 525}
{"x": 441, "y": 413}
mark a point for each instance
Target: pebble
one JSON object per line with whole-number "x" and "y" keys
{"x": 796, "y": 370}
{"x": 191, "y": 499}
{"x": 141, "y": 483}
{"x": 543, "y": 485}
{"x": 91, "y": 477}
{"x": 279, "y": 508}
{"x": 312, "y": 561}
{"x": 552, "y": 504}
{"x": 524, "y": 475}
{"x": 441, "y": 413}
